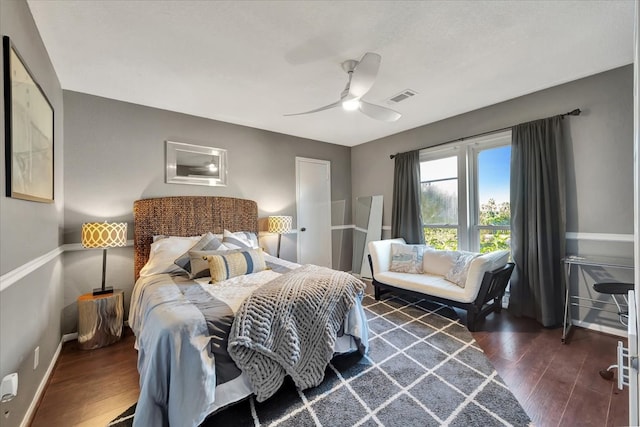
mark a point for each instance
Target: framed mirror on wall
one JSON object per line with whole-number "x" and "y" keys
{"x": 368, "y": 227}
{"x": 196, "y": 164}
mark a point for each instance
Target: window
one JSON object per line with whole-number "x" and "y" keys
{"x": 439, "y": 202}
{"x": 465, "y": 194}
{"x": 493, "y": 210}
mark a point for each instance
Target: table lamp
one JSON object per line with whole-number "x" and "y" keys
{"x": 281, "y": 225}
{"x": 104, "y": 235}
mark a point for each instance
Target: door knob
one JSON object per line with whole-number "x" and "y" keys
{"x": 303, "y": 229}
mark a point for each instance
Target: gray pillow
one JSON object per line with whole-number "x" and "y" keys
{"x": 240, "y": 240}
{"x": 208, "y": 242}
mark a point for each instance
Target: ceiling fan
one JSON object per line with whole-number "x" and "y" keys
{"x": 362, "y": 75}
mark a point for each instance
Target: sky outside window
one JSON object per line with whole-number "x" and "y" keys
{"x": 493, "y": 174}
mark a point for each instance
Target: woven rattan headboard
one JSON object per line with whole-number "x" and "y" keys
{"x": 187, "y": 216}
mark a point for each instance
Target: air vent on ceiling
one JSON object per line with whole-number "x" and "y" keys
{"x": 408, "y": 93}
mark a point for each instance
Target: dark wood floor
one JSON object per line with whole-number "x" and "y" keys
{"x": 90, "y": 387}
{"x": 558, "y": 385}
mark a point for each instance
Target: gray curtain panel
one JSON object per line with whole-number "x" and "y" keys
{"x": 406, "y": 218}
{"x": 538, "y": 220}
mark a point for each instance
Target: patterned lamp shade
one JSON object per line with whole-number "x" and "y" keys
{"x": 280, "y": 224}
{"x": 104, "y": 234}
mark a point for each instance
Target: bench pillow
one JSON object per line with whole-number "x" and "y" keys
{"x": 458, "y": 272}
{"x": 438, "y": 262}
{"x": 406, "y": 258}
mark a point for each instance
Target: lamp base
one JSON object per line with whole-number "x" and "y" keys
{"x": 100, "y": 291}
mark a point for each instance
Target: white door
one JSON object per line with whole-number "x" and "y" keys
{"x": 313, "y": 198}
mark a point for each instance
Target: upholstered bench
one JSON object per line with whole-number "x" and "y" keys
{"x": 473, "y": 282}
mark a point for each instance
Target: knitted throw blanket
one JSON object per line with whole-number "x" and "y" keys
{"x": 289, "y": 326}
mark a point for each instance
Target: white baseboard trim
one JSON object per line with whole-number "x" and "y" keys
{"x": 600, "y": 328}
{"x": 28, "y": 416}
{"x": 70, "y": 337}
{"x": 34, "y": 403}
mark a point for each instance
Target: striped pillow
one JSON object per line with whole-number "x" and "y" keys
{"x": 199, "y": 263}
{"x": 208, "y": 242}
{"x": 223, "y": 267}
{"x": 240, "y": 240}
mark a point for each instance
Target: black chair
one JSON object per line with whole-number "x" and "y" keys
{"x": 618, "y": 292}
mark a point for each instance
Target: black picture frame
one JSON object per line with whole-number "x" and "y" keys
{"x": 29, "y": 131}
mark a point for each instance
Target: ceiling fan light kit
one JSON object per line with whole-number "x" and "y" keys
{"x": 362, "y": 75}
{"x": 351, "y": 105}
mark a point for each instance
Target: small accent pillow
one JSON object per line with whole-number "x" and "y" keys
{"x": 199, "y": 263}
{"x": 240, "y": 240}
{"x": 406, "y": 258}
{"x": 458, "y": 273}
{"x": 223, "y": 267}
{"x": 208, "y": 242}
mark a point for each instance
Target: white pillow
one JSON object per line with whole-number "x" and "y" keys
{"x": 164, "y": 252}
{"x": 240, "y": 240}
{"x": 406, "y": 258}
{"x": 460, "y": 269}
{"x": 438, "y": 262}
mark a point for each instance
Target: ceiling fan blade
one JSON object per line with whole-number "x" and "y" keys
{"x": 364, "y": 74}
{"x": 379, "y": 112}
{"x": 326, "y": 107}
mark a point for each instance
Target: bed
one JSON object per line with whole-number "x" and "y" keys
{"x": 203, "y": 346}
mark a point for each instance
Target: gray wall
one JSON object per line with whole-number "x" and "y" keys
{"x": 115, "y": 154}
{"x": 30, "y": 307}
{"x": 599, "y": 162}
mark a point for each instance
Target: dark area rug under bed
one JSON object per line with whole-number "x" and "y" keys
{"x": 423, "y": 369}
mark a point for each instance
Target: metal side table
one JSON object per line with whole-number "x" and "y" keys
{"x": 591, "y": 261}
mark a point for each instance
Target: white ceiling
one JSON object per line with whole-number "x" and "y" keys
{"x": 250, "y": 62}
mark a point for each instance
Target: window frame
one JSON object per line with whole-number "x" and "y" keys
{"x": 467, "y": 151}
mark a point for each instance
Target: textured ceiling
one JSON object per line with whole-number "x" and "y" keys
{"x": 251, "y": 62}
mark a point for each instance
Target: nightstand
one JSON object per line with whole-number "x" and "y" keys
{"x": 100, "y": 319}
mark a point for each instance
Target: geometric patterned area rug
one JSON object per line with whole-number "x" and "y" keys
{"x": 423, "y": 369}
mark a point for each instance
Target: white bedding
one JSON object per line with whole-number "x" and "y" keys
{"x": 176, "y": 365}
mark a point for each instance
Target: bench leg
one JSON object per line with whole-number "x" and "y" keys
{"x": 376, "y": 292}
{"x": 472, "y": 319}
{"x": 498, "y": 303}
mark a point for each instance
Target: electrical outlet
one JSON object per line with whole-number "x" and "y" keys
{"x": 36, "y": 357}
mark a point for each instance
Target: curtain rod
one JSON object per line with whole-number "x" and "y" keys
{"x": 575, "y": 112}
